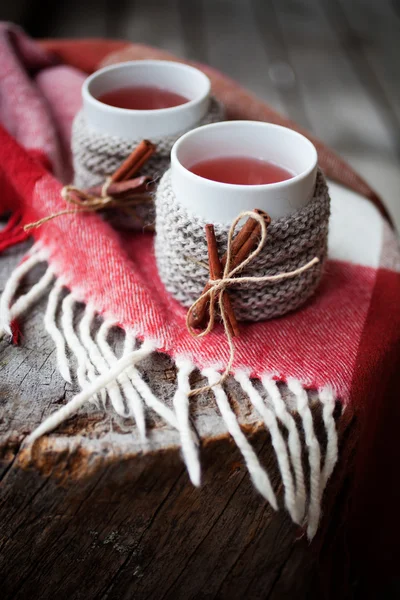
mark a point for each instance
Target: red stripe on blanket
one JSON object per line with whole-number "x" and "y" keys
{"x": 376, "y": 392}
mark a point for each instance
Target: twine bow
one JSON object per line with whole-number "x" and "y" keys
{"x": 118, "y": 191}
{"x": 85, "y": 201}
{"x": 218, "y": 287}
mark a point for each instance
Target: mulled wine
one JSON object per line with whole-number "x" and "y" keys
{"x": 240, "y": 170}
{"x": 142, "y": 98}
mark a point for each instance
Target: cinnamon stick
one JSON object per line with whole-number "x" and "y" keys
{"x": 123, "y": 189}
{"x": 135, "y": 161}
{"x": 245, "y": 241}
{"x": 216, "y": 273}
{"x": 239, "y": 254}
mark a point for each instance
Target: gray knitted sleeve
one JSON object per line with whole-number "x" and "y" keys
{"x": 95, "y": 155}
{"x": 292, "y": 242}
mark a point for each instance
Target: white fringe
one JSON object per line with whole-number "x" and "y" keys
{"x": 100, "y": 372}
{"x": 151, "y": 400}
{"x": 141, "y": 386}
{"x": 294, "y": 443}
{"x": 98, "y": 361}
{"x": 26, "y": 300}
{"x": 50, "y": 323}
{"x": 190, "y": 449}
{"x": 8, "y": 312}
{"x": 65, "y": 412}
{"x": 134, "y": 401}
{"x": 85, "y": 371}
{"x": 295, "y": 511}
{"x": 327, "y": 398}
{"x": 257, "y": 473}
{"x": 314, "y": 455}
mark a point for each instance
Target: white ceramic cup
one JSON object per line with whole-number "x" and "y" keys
{"x": 221, "y": 202}
{"x": 135, "y": 124}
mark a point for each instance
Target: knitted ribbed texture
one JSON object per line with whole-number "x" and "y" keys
{"x": 96, "y": 155}
{"x": 292, "y": 241}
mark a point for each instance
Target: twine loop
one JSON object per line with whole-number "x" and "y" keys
{"x": 84, "y": 201}
{"x": 218, "y": 287}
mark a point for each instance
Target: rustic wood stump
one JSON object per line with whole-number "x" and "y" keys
{"x": 91, "y": 513}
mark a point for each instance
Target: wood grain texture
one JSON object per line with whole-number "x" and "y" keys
{"x": 90, "y": 513}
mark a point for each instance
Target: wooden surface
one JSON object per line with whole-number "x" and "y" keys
{"x": 91, "y": 513}
{"x": 331, "y": 65}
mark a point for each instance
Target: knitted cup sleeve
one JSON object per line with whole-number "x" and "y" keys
{"x": 96, "y": 155}
{"x": 292, "y": 242}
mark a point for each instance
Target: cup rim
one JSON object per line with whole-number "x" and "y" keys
{"x": 175, "y": 162}
{"x": 88, "y": 96}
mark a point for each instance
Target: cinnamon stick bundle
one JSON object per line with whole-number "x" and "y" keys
{"x": 120, "y": 190}
{"x": 243, "y": 244}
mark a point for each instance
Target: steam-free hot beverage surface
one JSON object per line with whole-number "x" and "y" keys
{"x": 142, "y": 98}
{"x": 240, "y": 170}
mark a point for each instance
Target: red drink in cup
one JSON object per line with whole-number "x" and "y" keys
{"x": 240, "y": 170}
{"x": 143, "y": 97}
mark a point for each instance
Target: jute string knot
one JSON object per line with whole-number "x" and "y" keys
{"x": 84, "y": 201}
{"x": 119, "y": 190}
{"x": 218, "y": 287}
